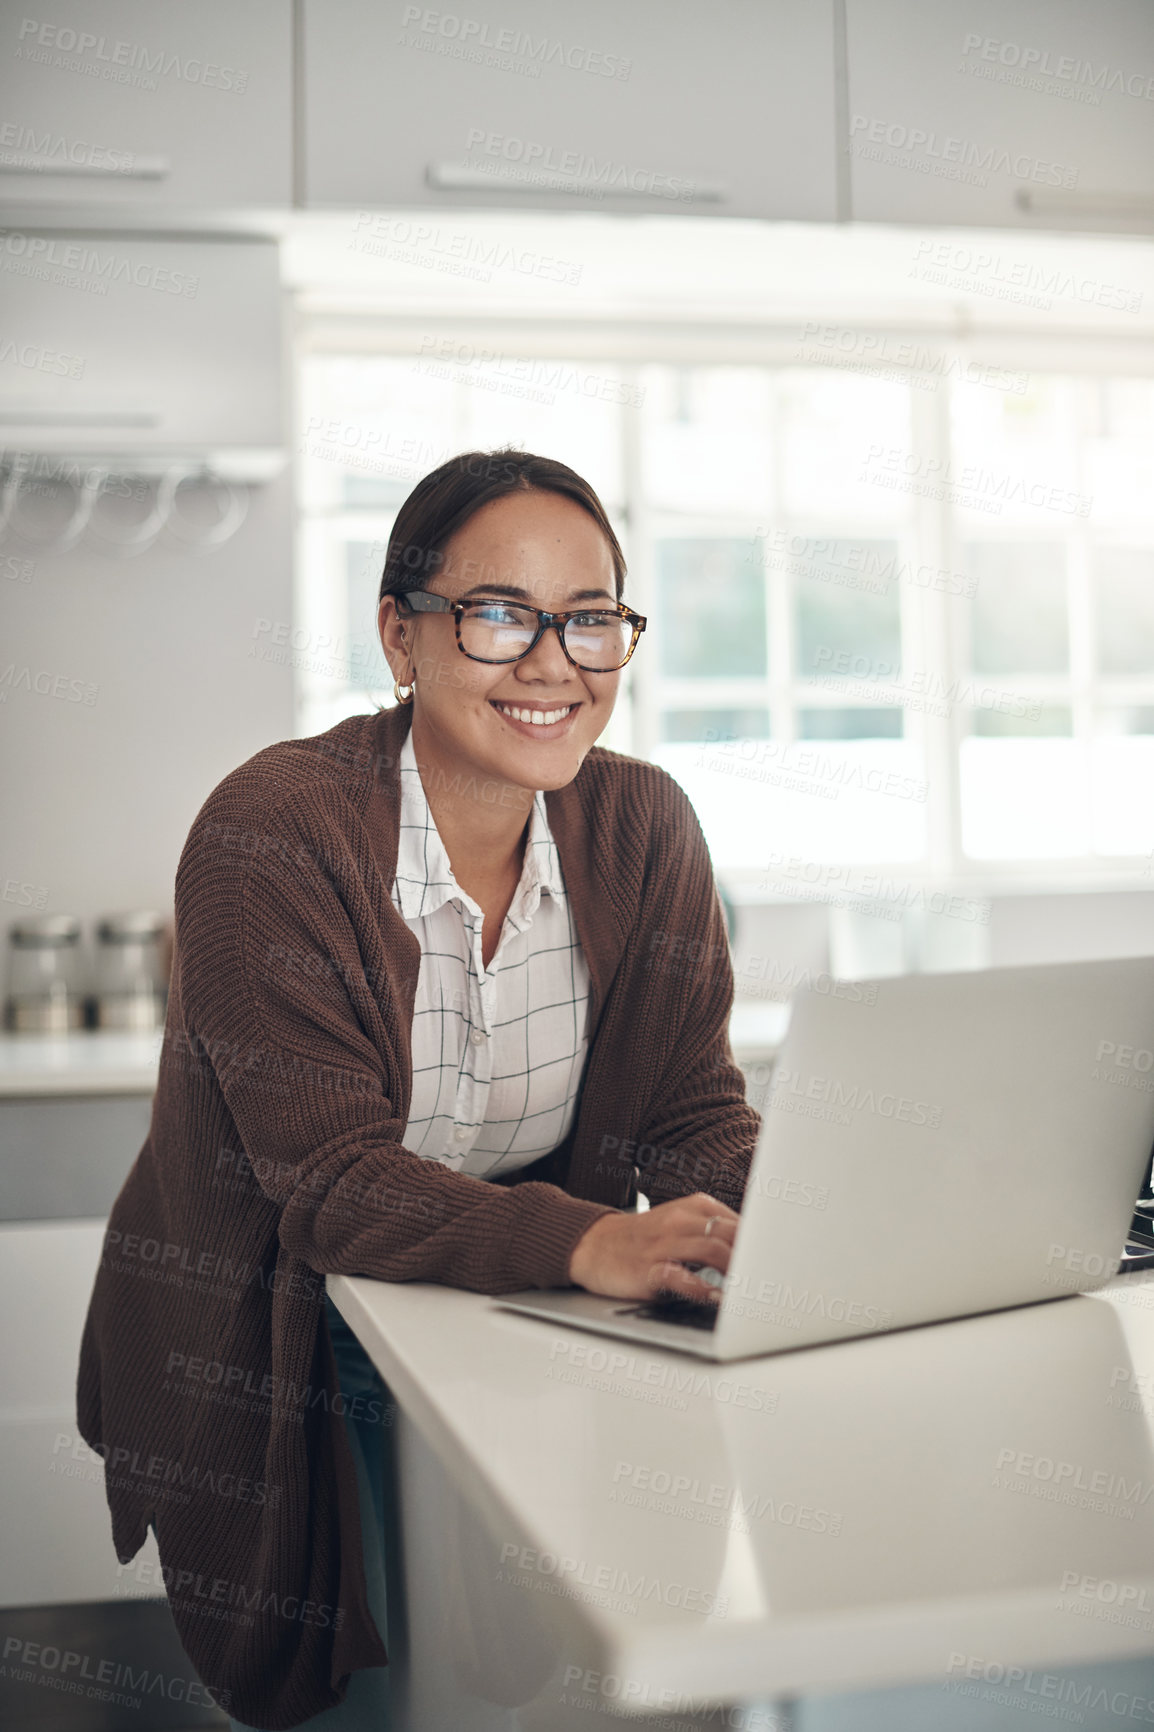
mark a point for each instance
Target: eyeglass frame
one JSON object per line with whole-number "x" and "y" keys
{"x": 427, "y": 601}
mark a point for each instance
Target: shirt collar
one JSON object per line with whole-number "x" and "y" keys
{"x": 424, "y": 878}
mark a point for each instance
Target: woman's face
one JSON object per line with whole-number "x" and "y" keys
{"x": 533, "y": 547}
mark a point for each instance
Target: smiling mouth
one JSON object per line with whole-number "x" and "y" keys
{"x": 531, "y": 715}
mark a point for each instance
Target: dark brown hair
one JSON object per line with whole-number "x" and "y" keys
{"x": 445, "y": 500}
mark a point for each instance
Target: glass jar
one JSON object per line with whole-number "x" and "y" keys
{"x": 45, "y": 986}
{"x": 131, "y": 990}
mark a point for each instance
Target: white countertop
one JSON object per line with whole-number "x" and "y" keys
{"x": 86, "y": 1062}
{"x": 960, "y": 1490}
{"x": 105, "y": 1061}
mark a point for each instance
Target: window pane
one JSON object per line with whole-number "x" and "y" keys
{"x": 1015, "y": 458}
{"x": 860, "y": 724}
{"x": 365, "y": 659}
{"x": 1124, "y": 595}
{"x": 710, "y": 609}
{"x": 1120, "y": 767}
{"x": 1027, "y": 799}
{"x": 366, "y": 493}
{"x": 847, "y": 632}
{"x": 706, "y": 438}
{"x": 1030, "y": 720}
{"x": 1018, "y": 617}
{"x": 840, "y": 437}
{"x": 1120, "y": 459}
{"x": 1125, "y": 719}
{"x": 709, "y": 725}
{"x": 853, "y": 800}
{"x": 570, "y": 410}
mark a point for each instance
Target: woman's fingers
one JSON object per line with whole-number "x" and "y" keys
{"x": 674, "y": 1277}
{"x": 714, "y": 1252}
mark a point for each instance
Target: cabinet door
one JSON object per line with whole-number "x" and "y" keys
{"x": 661, "y": 105}
{"x": 118, "y": 344}
{"x": 148, "y": 103}
{"x": 1035, "y": 114}
{"x": 53, "y": 1511}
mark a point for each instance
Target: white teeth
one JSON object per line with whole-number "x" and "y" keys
{"x": 539, "y": 718}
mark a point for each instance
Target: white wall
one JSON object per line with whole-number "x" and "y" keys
{"x": 97, "y": 799}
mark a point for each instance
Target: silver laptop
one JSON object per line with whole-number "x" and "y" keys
{"x": 932, "y": 1146}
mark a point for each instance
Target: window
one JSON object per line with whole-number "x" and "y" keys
{"x": 895, "y": 618}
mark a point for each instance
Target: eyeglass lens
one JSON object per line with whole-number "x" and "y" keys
{"x": 598, "y": 642}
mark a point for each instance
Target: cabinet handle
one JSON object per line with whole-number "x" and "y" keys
{"x": 141, "y": 167}
{"x": 464, "y": 177}
{"x": 78, "y": 418}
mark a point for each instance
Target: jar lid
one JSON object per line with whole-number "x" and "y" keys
{"x": 41, "y": 929}
{"x": 124, "y": 928}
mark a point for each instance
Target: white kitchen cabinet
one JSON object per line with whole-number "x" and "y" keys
{"x": 118, "y": 348}
{"x": 1027, "y": 114}
{"x": 53, "y": 1513}
{"x": 147, "y": 103}
{"x": 662, "y": 105}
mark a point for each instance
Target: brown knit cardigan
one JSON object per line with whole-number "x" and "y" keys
{"x": 207, "y": 1381}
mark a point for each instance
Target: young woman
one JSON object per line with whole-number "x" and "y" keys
{"x": 451, "y": 985}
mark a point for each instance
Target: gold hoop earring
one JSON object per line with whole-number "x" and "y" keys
{"x": 404, "y": 694}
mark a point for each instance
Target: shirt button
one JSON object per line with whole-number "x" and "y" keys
{"x": 478, "y": 1036}
{"x": 461, "y": 1133}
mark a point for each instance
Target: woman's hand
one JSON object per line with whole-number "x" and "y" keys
{"x": 628, "y": 1256}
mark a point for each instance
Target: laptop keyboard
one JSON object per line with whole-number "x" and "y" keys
{"x": 693, "y": 1313}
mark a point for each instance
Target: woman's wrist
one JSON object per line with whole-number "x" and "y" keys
{"x": 583, "y": 1255}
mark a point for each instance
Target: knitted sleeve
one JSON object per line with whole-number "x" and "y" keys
{"x": 699, "y": 1131}
{"x": 284, "y": 989}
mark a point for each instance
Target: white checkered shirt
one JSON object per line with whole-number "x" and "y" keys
{"x": 498, "y": 1054}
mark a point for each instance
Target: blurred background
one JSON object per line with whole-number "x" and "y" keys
{"x": 845, "y": 307}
